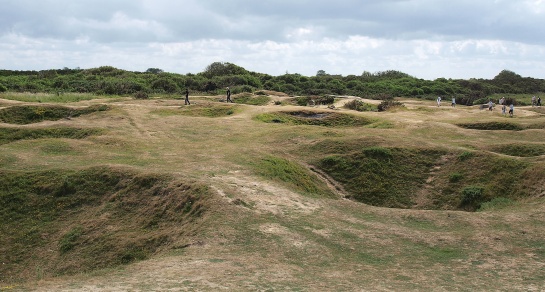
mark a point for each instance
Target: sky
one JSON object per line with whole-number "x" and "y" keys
{"x": 428, "y": 39}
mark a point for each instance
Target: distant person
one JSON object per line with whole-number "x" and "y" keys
{"x": 503, "y": 109}
{"x": 229, "y": 95}
{"x": 538, "y": 101}
{"x": 438, "y": 101}
{"x": 511, "y": 110}
{"x": 187, "y": 97}
{"x": 533, "y": 101}
{"x": 453, "y": 102}
{"x": 502, "y": 100}
{"x": 490, "y": 105}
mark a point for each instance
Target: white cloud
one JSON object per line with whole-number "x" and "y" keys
{"x": 424, "y": 38}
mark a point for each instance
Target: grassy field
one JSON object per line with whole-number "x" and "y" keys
{"x": 262, "y": 195}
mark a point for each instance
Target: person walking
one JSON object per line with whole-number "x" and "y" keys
{"x": 187, "y": 97}
{"x": 503, "y": 109}
{"x": 438, "y": 101}
{"x": 539, "y": 101}
{"x": 229, "y": 95}
{"x": 490, "y": 105}
{"x": 453, "y": 102}
{"x": 533, "y": 101}
{"x": 511, "y": 110}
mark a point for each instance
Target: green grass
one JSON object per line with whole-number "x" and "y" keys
{"x": 381, "y": 176}
{"x": 251, "y": 99}
{"x": 34, "y": 207}
{"x": 50, "y": 98}
{"x": 326, "y": 119}
{"x": 292, "y": 174}
{"x": 492, "y": 126}
{"x": 198, "y": 110}
{"x": 519, "y": 150}
{"x": 8, "y": 135}
{"x": 23, "y": 115}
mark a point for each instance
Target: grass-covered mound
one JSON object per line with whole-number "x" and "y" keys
{"x": 250, "y": 99}
{"x": 492, "y": 126}
{"x": 295, "y": 176}
{"x": 314, "y": 118}
{"x": 520, "y": 150}
{"x": 8, "y": 135}
{"x": 209, "y": 110}
{"x": 380, "y": 176}
{"x": 59, "y": 222}
{"x": 470, "y": 179}
{"x": 23, "y": 115}
{"x": 419, "y": 177}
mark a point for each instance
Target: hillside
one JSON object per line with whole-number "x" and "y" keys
{"x": 117, "y": 194}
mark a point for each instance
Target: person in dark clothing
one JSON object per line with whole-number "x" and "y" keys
{"x": 538, "y": 101}
{"x": 229, "y": 95}
{"x": 187, "y": 97}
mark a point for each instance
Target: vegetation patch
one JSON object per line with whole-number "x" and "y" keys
{"x": 251, "y": 99}
{"x": 23, "y": 115}
{"x": 389, "y": 105}
{"x": 208, "y": 110}
{"x": 59, "y": 97}
{"x": 314, "y": 118}
{"x": 492, "y": 126}
{"x": 76, "y": 221}
{"x": 8, "y": 135}
{"x": 360, "y": 106}
{"x": 520, "y": 150}
{"x": 292, "y": 174}
{"x": 381, "y": 176}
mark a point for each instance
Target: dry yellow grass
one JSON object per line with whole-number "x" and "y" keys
{"x": 263, "y": 236}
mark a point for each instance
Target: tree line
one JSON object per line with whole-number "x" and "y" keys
{"x": 108, "y": 80}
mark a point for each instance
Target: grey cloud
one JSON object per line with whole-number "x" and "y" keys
{"x": 173, "y": 21}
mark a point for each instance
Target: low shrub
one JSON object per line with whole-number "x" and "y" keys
{"x": 389, "y": 104}
{"x": 141, "y": 95}
{"x": 455, "y": 177}
{"x": 360, "y": 106}
{"x": 472, "y": 197}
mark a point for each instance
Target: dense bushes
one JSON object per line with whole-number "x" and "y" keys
{"x": 218, "y": 75}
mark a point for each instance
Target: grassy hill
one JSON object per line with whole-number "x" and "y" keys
{"x": 125, "y": 194}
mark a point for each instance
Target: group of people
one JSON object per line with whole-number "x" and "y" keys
{"x": 504, "y": 107}
{"x": 186, "y": 102}
{"x": 453, "y": 104}
{"x": 535, "y": 102}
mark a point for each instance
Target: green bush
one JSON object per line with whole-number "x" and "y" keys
{"x": 455, "y": 177}
{"x": 472, "y": 196}
{"x": 465, "y": 155}
{"x": 360, "y": 106}
{"x": 389, "y": 104}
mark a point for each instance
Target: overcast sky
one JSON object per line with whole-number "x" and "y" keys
{"x": 424, "y": 38}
